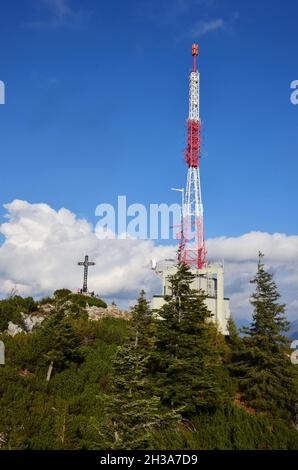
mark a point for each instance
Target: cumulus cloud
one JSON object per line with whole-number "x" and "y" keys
{"x": 42, "y": 246}
{"x": 240, "y": 258}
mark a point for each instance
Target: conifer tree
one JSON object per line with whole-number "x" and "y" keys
{"x": 60, "y": 341}
{"x": 189, "y": 373}
{"x": 235, "y": 345}
{"x": 142, "y": 325}
{"x": 268, "y": 380}
{"x": 233, "y": 338}
{"x": 134, "y": 412}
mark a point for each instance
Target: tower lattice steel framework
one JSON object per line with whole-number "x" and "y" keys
{"x": 192, "y": 250}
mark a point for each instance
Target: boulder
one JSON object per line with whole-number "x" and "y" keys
{"x": 14, "y": 329}
{"x": 31, "y": 321}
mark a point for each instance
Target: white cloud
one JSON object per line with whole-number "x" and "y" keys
{"x": 42, "y": 247}
{"x": 60, "y": 8}
{"x": 278, "y": 247}
{"x": 60, "y": 13}
{"x": 240, "y": 257}
{"x": 204, "y": 27}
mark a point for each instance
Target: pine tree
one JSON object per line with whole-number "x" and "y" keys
{"x": 142, "y": 324}
{"x": 233, "y": 338}
{"x": 134, "y": 412}
{"x": 189, "y": 373}
{"x": 235, "y": 345}
{"x": 60, "y": 341}
{"x": 268, "y": 380}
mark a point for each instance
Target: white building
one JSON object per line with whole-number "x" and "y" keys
{"x": 210, "y": 280}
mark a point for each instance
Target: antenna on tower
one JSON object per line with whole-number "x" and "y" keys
{"x": 195, "y": 53}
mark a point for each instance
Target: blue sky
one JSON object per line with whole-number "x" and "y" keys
{"x": 96, "y": 102}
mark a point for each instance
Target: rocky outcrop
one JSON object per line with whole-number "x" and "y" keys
{"x": 30, "y": 322}
{"x": 96, "y": 313}
{"x": 46, "y": 308}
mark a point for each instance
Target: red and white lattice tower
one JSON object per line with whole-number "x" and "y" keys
{"x": 192, "y": 250}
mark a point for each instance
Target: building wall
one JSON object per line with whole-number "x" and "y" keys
{"x": 211, "y": 281}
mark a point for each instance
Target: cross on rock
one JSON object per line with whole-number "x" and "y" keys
{"x": 86, "y": 264}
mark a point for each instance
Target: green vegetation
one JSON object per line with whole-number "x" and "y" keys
{"x": 11, "y": 308}
{"x": 189, "y": 373}
{"x": 83, "y": 300}
{"x": 64, "y": 295}
{"x": 267, "y": 376}
{"x": 148, "y": 383}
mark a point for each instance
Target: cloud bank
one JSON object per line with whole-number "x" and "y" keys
{"x": 240, "y": 258}
{"x": 42, "y": 246}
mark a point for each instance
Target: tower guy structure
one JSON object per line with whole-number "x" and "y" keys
{"x": 192, "y": 249}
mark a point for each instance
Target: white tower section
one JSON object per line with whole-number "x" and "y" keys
{"x": 193, "y": 205}
{"x": 194, "y": 96}
{"x": 192, "y": 248}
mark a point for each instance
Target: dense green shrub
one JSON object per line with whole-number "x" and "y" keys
{"x": 83, "y": 300}
{"x": 62, "y": 294}
{"x": 229, "y": 429}
{"x": 11, "y": 309}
